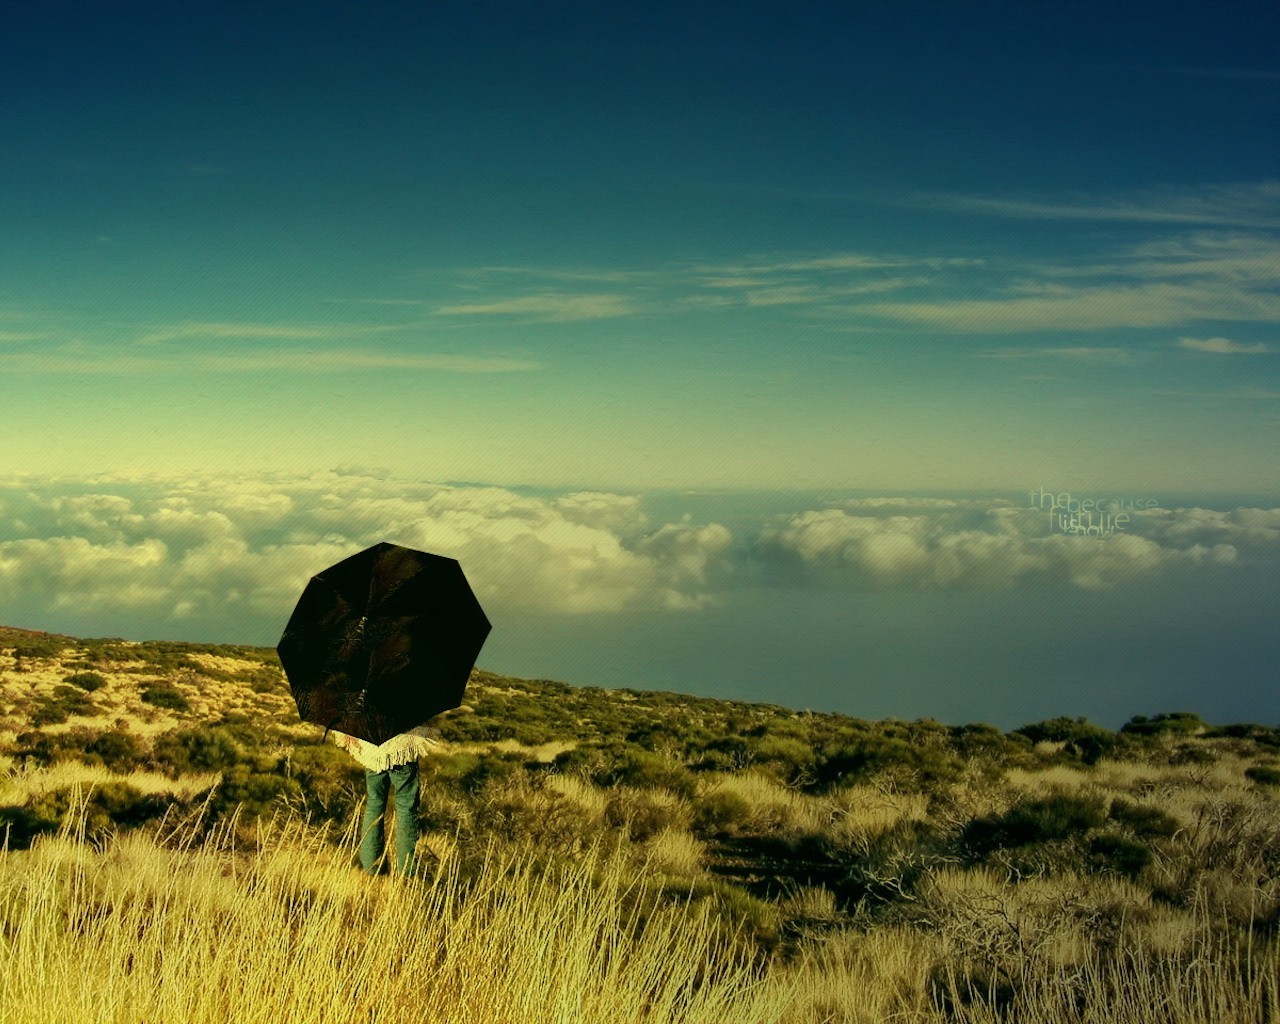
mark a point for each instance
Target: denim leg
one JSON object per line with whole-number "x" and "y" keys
{"x": 405, "y": 779}
{"x": 373, "y": 832}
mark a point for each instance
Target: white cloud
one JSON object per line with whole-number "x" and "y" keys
{"x": 1078, "y": 353}
{"x": 228, "y": 329}
{"x": 186, "y": 548}
{"x": 1221, "y": 346}
{"x": 927, "y": 543}
{"x": 1245, "y": 204}
{"x": 551, "y": 307}
{"x": 1089, "y": 307}
{"x": 80, "y": 360}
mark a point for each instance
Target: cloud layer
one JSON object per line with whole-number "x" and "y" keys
{"x": 217, "y": 550}
{"x": 187, "y": 549}
{"x": 929, "y": 543}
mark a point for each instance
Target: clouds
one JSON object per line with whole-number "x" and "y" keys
{"x": 209, "y": 554}
{"x": 1251, "y": 204}
{"x": 549, "y": 307}
{"x": 923, "y": 544}
{"x": 1221, "y": 346}
{"x": 210, "y": 548}
{"x": 1200, "y": 275}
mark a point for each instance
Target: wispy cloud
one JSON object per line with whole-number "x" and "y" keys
{"x": 1243, "y": 204}
{"x": 1088, "y": 307}
{"x": 560, "y": 274}
{"x": 231, "y": 329}
{"x": 1191, "y": 278}
{"x": 1221, "y": 346}
{"x": 78, "y": 361}
{"x": 1078, "y": 353}
{"x": 555, "y": 307}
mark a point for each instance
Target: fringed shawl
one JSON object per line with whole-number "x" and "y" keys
{"x": 400, "y": 749}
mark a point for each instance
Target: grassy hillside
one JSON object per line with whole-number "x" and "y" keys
{"x": 676, "y": 855}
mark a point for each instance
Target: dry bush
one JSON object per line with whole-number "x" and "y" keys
{"x": 589, "y": 799}
{"x": 751, "y": 802}
{"x": 860, "y": 815}
{"x": 643, "y": 813}
{"x": 674, "y": 852}
{"x": 863, "y": 978}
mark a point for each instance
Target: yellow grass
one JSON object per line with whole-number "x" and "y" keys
{"x": 138, "y": 932}
{"x": 17, "y": 786}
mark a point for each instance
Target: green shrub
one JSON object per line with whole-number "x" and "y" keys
{"x": 209, "y": 748}
{"x": 48, "y": 713}
{"x": 48, "y": 748}
{"x": 89, "y": 681}
{"x": 1263, "y": 774}
{"x": 105, "y": 807}
{"x": 643, "y": 769}
{"x": 912, "y": 762}
{"x": 476, "y": 773}
{"x": 644, "y": 813}
{"x": 722, "y": 811}
{"x": 264, "y": 679}
{"x": 1179, "y": 723}
{"x": 255, "y": 793}
{"x": 163, "y": 695}
{"x": 332, "y": 782}
{"x": 1083, "y": 740}
{"x": 1146, "y": 822}
{"x": 117, "y": 749}
{"x": 1111, "y": 852}
{"x": 1035, "y": 821}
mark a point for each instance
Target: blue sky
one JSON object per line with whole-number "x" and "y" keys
{"x": 690, "y": 257}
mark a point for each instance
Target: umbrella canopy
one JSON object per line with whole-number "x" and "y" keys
{"x": 382, "y": 641}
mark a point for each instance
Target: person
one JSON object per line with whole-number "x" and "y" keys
{"x": 392, "y": 765}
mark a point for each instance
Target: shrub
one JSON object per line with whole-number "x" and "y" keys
{"x": 106, "y": 806}
{"x": 644, "y": 813}
{"x": 48, "y": 713}
{"x": 1179, "y": 723}
{"x": 48, "y": 748}
{"x": 164, "y": 695}
{"x": 262, "y": 679}
{"x": 791, "y": 760}
{"x": 643, "y": 769}
{"x": 118, "y": 750}
{"x": 911, "y": 762}
{"x": 722, "y": 811}
{"x": 1146, "y": 822}
{"x": 1082, "y": 739}
{"x": 254, "y": 792}
{"x": 332, "y": 783}
{"x": 87, "y": 680}
{"x": 1111, "y": 852}
{"x": 212, "y": 748}
{"x": 1263, "y": 774}
{"x": 1035, "y": 821}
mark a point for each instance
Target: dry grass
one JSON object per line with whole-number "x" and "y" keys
{"x": 139, "y": 932}
{"x": 674, "y": 852}
{"x": 20, "y": 785}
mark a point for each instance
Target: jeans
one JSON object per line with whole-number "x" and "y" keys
{"x": 404, "y": 778}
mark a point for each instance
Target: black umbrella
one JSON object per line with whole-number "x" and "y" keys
{"x": 382, "y": 641}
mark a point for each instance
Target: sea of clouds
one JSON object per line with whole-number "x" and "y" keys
{"x": 213, "y": 548}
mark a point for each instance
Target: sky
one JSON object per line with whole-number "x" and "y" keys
{"x": 733, "y": 349}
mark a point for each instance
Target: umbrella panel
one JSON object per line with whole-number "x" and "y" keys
{"x": 382, "y": 641}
